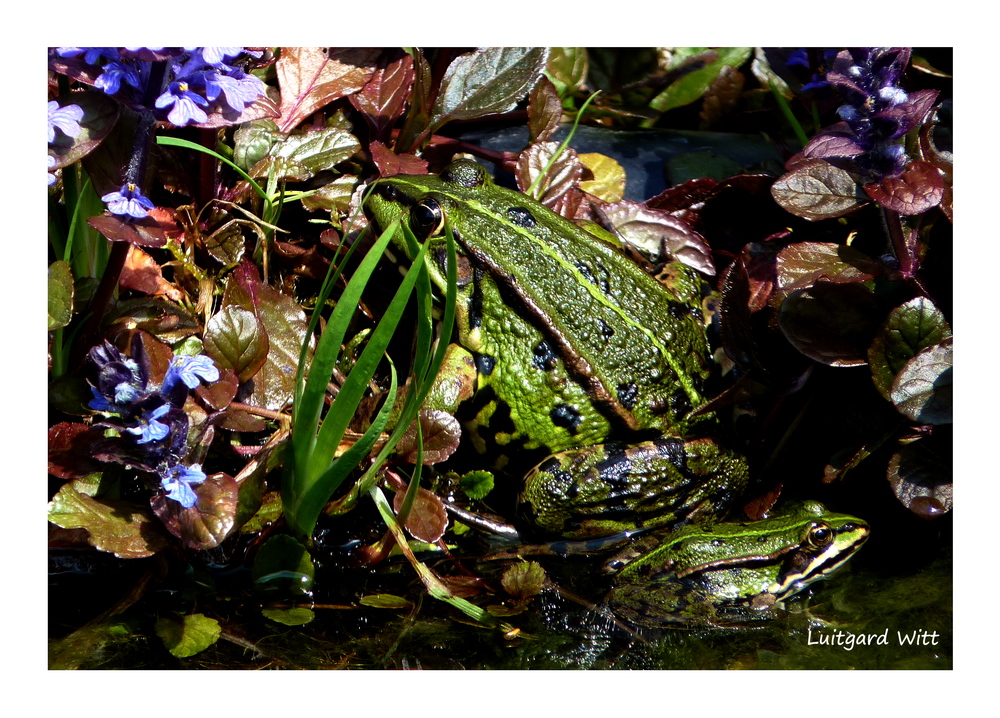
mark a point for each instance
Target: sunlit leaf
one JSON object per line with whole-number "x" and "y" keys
{"x": 209, "y": 521}
{"x": 544, "y": 111}
{"x": 441, "y": 433}
{"x": 382, "y": 100}
{"x": 60, "y": 295}
{"x": 235, "y": 339}
{"x": 815, "y": 190}
{"x": 693, "y": 85}
{"x": 923, "y": 389}
{"x": 119, "y": 527}
{"x": 476, "y": 484}
{"x": 919, "y": 188}
{"x": 909, "y": 329}
{"x": 427, "y": 520}
{"x": 144, "y": 274}
{"x": 567, "y": 69}
{"x": 185, "y": 636}
{"x": 488, "y": 81}
{"x": 558, "y": 177}
{"x": 805, "y": 263}
{"x": 658, "y": 234}
{"x": 298, "y": 616}
{"x": 609, "y": 177}
{"x": 311, "y": 77}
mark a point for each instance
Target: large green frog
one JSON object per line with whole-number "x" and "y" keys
{"x": 580, "y": 355}
{"x": 730, "y": 573}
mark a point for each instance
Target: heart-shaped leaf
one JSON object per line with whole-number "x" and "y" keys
{"x": 919, "y": 188}
{"x": 428, "y": 519}
{"x": 209, "y": 521}
{"x": 805, "y": 263}
{"x": 185, "y": 636}
{"x": 311, "y": 77}
{"x": 119, "y": 527}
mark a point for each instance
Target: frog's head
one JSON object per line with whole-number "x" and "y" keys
{"x": 825, "y": 541}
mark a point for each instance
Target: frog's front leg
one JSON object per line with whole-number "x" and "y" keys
{"x": 605, "y": 489}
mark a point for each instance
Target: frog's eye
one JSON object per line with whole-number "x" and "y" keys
{"x": 820, "y": 536}
{"x": 426, "y": 218}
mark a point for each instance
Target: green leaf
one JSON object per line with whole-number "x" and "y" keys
{"x": 299, "y": 157}
{"x": 922, "y": 391}
{"x": 298, "y": 616}
{"x": 119, "y": 527}
{"x": 692, "y": 85}
{"x": 523, "y": 580}
{"x": 185, "y": 636}
{"x": 567, "y": 69}
{"x": 385, "y": 600}
{"x": 60, "y": 295}
{"x": 488, "y": 81}
{"x": 476, "y": 484}
{"x": 909, "y": 329}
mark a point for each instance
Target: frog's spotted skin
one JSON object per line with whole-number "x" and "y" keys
{"x": 574, "y": 346}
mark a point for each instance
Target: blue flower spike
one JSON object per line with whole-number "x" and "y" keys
{"x": 150, "y": 428}
{"x": 128, "y": 201}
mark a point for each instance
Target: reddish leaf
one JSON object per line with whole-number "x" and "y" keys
{"x": 219, "y": 394}
{"x": 389, "y": 163}
{"x": 919, "y": 188}
{"x": 382, "y": 99}
{"x": 119, "y": 527}
{"x": 428, "y": 519}
{"x": 209, "y": 521}
{"x": 831, "y": 323}
{"x": 145, "y": 232}
{"x": 71, "y": 450}
{"x": 560, "y": 177}
{"x": 311, "y": 77}
{"x": 544, "y": 110}
{"x": 441, "y": 434}
{"x": 803, "y": 264}
{"x": 683, "y": 196}
{"x": 815, "y": 190}
{"x": 657, "y": 233}
{"x": 144, "y": 274}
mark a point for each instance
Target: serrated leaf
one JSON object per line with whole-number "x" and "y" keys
{"x": 301, "y": 156}
{"x": 235, "y": 339}
{"x": 922, "y": 391}
{"x": 523, "y": 580}
{"x": 382, "y": 99}
{"x": 119, "y": 527}
{"x": 830, "y": 323}
{"x": 560, "y": 177}
{"x": 185, "y": 636}
{"x": 441, "y": 434}
{"x": 60, "y": 295}
{"x": 488, "y": 81}
{"x": 428, "y": 519}
{"x": 805, "y": 263}
{"x": 919, "y": 188}
{"x": 609, "y": 177}
{"x": 909, "y": 329}
{"x": 476, "y": 484}
{"x": 544, "y": 111}
{"x": 311, "y": 77}
{"x": 816, "y": 190}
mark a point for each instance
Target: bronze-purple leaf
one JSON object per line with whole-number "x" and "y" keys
{"x": 805, "y": 263}
{"x": 441, "y": 434}
{"x": 209, "y": 521}
{"x": 831, "y": 323}
{"x": 919, "y": 188}
{"x": 921, "y": 478}
{"x": 816, "y": 190}
{"x": 311, "y": 77}
{"x": 428, "y": 519}
{"x": 382, "y": 99}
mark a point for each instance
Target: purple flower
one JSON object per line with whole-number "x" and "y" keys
{"x": 111, "y": 79}
{"x": 128, "y": 201}
{"x": 91, "y": 55}
{"x": 189, "y": 370}
{"x": 52, "y": 175}
{"x": 177, "y": 480}
{"x": 150, "y": 428}
{"x": 238, "y": 89}
{"x": 186, "y": 105}
{"x": 218, "y": 55}
{"x": 66, "y": 119}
